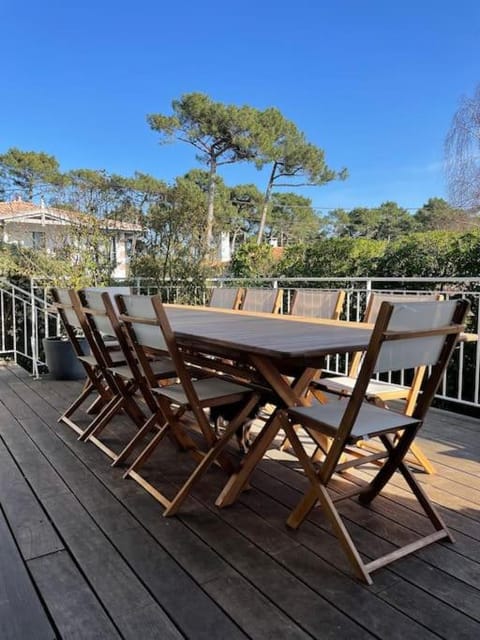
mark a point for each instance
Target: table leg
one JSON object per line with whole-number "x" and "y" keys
{"x": 238, "y": 480}
{"x": 289, "y": 396}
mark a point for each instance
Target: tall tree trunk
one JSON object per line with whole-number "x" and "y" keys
{"x": 210, "y": 205}
{"x": 266, "y": 202}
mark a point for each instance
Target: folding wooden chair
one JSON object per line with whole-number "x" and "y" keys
{"x": 315, "y": 303}
{"x": 149, "y": 330}
{"x": 225, "y": 298}
{"x": 407, "y": 335}
{"x": 379, "y": 391}
{"x": 95, "y": 381}
{"x": 264, "y": 300}
{"x": 100, "y": 315}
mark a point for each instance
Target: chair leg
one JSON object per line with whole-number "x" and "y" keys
{"x": 425, "y": 502}
{"x": 396, "y": 454}
{"x": 420, "y": 494}
{"x": 141, "y": 459}
{"x": 66, "y": 415}
{"x": 417, "y": 456}
{"x": 147, "y": 451}
{"x": 421, "y": 458}
{"x": 210, "y": 457}
{"x": 127, "y": 450}
{"x": 130, "y": 407}
{"x": 97, "y": 405}
{"x": 103, "y": 418}
{"x": 320, "y": 493}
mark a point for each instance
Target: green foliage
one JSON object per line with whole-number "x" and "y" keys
{"x": 86, "y": 248}
{"x": 295, "y": 162}
{"x": 252, "y": 260}
{"x": 104, "y": 195}
{"x": 87, "y": 190}
{"x": 393, "y": 221}
{"x": 245, "y": 202}
{"x": 28, "y": 173}
{"x": 226, "y": 134}
{"x": 420, "y": 254}
{"x": 437, "y": 215}
{"x": 434, "y": 253}
{"x": 221, "y": 134}
{"x": 173, "y": 244}
{"x": 386, "y": 222}
{"x": 424, "y": 254}
{"x": 54, "y": 270}
{"x": 333, "y": 257}
{"x": 292, "y": 219}
{"x": 294, "y": 159}
{"x": 466, "y": 249}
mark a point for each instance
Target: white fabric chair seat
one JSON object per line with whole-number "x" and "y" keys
{"x": 371, "y": 421}
{"x": 206, "y": 389}
{"x": 376, "y": 388}
{"x": 116, "y": 356}
{"x": 162, "y": 368}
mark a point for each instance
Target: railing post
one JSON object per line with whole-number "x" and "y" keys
{"x": 34, "y": 336}
{"x": 2, "y": 312}
{"x": 476, "y": 397}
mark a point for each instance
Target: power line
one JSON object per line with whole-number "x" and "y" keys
{"x": 322, "y": 208}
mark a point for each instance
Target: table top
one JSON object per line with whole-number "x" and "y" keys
{"x": 273, "y": 336}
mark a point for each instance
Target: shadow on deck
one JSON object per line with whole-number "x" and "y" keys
{"x": 86, "y": 554}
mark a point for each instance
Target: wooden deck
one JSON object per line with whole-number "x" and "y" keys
{"x": 85, "y": 554}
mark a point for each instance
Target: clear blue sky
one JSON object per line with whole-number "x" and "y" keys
{"x": 374, "y": 83}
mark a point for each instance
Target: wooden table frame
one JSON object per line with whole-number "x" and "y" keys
{"x": 281, "y": 352}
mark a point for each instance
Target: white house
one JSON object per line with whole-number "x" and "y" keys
{"x": 41, "y": 227}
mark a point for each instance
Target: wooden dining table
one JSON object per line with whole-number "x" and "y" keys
{"x": 282, "y": 353}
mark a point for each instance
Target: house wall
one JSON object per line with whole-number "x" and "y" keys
{"x": 121, "y": 270}
{"x": 21, "y": 232}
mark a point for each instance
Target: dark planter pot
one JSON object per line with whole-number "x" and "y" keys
{"x": 61, "y": 360}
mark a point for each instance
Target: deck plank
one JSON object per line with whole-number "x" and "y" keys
{"x": 439, "y": 570}
{"x": 261, "y": 574}
{"x": 236, "y": 572}
{"x": 70, "y": 600}
{"x": 34, "y": 533}
{"x": 114, "y": 583}
{"x": 22, "y": 614}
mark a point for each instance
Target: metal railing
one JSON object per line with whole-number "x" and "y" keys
{"x": 26, "y": 318}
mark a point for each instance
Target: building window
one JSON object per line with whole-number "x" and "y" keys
{"x": 129, "y": 247}
{"x": 113, "y": 250}
{"x": 39, "y": 240}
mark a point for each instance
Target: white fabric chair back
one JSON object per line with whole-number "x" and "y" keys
{"x": 412, "y": 352}
{"x": 147, "y": 335}
{"x": 93, "y": 300}
{"x": 223, "y": 298}
{"x": 314, "y": 303}
{"x": 264, "y": 300}
{"x": 376, "y": 299}
{"x": 69, "y": 312}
